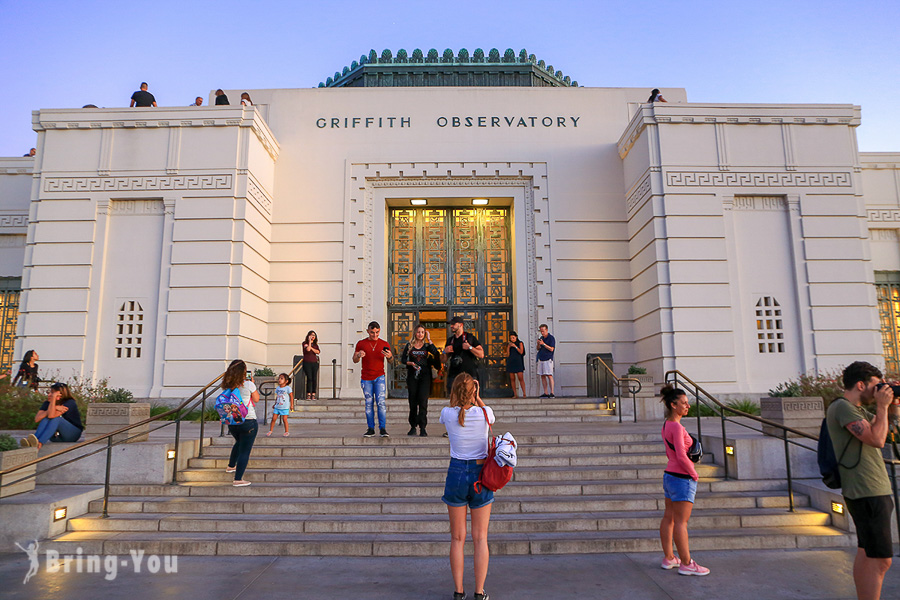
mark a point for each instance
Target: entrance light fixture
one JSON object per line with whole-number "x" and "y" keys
{"x": 418, "y": 201}
{"x": 479, "y": 201}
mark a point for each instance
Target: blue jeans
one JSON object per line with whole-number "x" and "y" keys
{"x": 375, "y": 391}
{"x": 48, "y": 429}
{"x": 244, "y": 435}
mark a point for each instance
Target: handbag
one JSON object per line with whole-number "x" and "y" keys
{"x": 493, "y": 476}
{"x": 694, "y": 453}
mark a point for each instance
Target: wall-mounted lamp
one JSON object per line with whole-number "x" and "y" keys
{"x": 729, "y": 450}
{"x": 59, "y": 513}
{"x": 837, "y": 508}
{"x": 418, "y": 201}
{"x": 170, "y": 454}
{"x": 479, "y": 201}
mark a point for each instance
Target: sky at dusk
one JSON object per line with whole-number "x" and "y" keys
{"x": 59, "y": 54}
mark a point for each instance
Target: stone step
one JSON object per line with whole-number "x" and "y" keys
{"x": 438, "y": 474}
{"x": 400, "y": 403}
{"x": 437, "y": 440}
{"x": 435, "y": 544}
{"x": 414, "y": 450}
{"x": 262, "y": 505}
{"x": 438, "y": 523}
{"x": 395, "y": 421}
{"x": 433, "y": 462}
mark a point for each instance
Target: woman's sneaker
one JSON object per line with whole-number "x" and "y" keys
{"x": 459, "y": 596}
{"x": 482, "y": 596}
{"x": 693, "y": 569}
{"x": 670, "y": 564}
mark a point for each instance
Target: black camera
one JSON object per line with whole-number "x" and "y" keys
{"x": 896, "y": 388}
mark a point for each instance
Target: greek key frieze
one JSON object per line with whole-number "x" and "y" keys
{"x": 13, "y": 221}
{"x": 137, "y": 184}
{"x": 733, "y": 179}
{"x": 448, "y": 181}
{"x": 883, "y": 215}
{"x": 884, "y": 235}
{"x": 136, "y": 207}
{"x": 759, "y": 203}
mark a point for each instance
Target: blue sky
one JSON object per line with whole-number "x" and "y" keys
{"x": 56, "y": 54}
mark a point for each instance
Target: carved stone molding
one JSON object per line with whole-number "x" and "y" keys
{"x": 884, "y": 235}
{"x": 137, "y": 184}
{"x": 777, "y": 203}
{"x": 135, "y": 208}
{"x": 883, "y": 215}
{"x": 259, "y": 196}
{"x": 12, "y": 240}
{"x": 13, "y": 221}
{"x": 640, "y": 193}
{"x": 386, "y": 182}
{"x": 694, "y": 179}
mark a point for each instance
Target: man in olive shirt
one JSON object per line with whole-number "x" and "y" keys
{"x": 857, "y": 439}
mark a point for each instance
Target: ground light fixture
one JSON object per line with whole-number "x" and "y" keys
{"x": 170, "y": 454}
{"x": 60, "y": 513}
{"x": 837, "y": 508}
{"x": 418, "y": 201}
{"x": 729, "y": 450}
{"x": 479, "y": 201}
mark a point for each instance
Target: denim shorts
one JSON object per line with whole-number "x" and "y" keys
{"x": 678, "y": 489}
{"x": 459, "y": 489}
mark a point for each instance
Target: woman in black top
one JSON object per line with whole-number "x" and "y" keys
{"x": 28, "y": 371}
{"x": 515, "y": 363}
{"x": 311, "y": 364}
{"x": 58, "y": 419}
{"x": 419, "y": 356}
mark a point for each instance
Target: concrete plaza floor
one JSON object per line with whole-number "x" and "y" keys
{"x": 736, "y": 575}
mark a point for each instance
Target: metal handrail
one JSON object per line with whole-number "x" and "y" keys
{"x": 617, "y": 382}
{"x": 674, "y": 377}
{"x": 199, "y": 396}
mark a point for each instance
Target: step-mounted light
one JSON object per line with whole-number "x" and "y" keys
{"x": 837, "y": 508}
{"x": 729, "y": 450}
{"x": 59, "y": 513}
{"x": 170, "y": 455}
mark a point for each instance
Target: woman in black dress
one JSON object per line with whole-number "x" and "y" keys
{"x": 515, "y": 363}
{"x": 28, "y": 371}
{"x": 419, "y": 356}
{"x": 311, "y": 364}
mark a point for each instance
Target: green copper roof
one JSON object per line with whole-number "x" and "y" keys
{"x": 448, "y": 69}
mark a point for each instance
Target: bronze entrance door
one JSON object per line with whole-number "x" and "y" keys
{"x": 446, "y": 262}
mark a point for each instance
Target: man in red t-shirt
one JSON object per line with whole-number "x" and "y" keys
{"x": 372, "y": 352}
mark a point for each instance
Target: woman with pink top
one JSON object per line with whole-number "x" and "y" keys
{"x": 679, "y": 484}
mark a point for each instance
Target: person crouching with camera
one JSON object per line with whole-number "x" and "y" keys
{"x": 679, "y": 485}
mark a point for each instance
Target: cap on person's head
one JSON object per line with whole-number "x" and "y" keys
{"x": 374, "y": 325}
{"x": 456, "y": 320}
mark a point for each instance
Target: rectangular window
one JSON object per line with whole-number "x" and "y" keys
{"x": 10, "y": 289}
{"x": 887, "y": 286}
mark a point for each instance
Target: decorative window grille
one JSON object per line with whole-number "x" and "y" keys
{"x": 769, "y": 328}
{"x": 887, "y": 286}
{"x": 10, "y": 289}
{"x": 129, "y": 329}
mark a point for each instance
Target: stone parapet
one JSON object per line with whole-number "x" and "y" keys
{"x": 106, "y": 418}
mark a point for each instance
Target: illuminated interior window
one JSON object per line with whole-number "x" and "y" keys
{"x": 887, "y": 286}
{"x": 769, "y": 326}
{"x": 129, "y": 329}
{"x": 10, "y": 289}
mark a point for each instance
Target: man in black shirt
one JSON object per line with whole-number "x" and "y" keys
{"x": 462, "y": 352}
{"x": 143, "y": 98}
{"x": 221, "y": 98}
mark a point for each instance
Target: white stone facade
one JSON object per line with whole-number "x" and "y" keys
{"x": 654, "y": 232}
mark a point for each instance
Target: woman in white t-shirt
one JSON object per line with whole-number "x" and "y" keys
{"x": 466, "y": 420}
{"x": 244, "y": 434}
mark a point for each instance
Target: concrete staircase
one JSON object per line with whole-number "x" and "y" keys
{"x": 582, "y": 486}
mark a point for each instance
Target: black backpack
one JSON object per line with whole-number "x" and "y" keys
{"x": 828, "y": 464}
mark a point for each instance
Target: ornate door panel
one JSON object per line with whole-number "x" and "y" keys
{"x": 456, "y": 260}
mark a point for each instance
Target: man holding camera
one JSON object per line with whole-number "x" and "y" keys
{"x": 857, "y": 439}
{"x": 546, "y": 346}
{"x": 372, "y": 351}
{"x": 462, "y": 352}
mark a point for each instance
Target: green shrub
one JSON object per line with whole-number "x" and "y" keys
{"x": 87, "y": 390}
{"x": 825, "y": 385}
{"x": 746, "y": 405}
{"x": 705, "y": 411}
{"x": 194, "y": 415}
{"x": 636, "y": 370}
{"x": 119, "y": 396}
{"x": 18, "y": 406}
{"x": 264, "y": 372}
{"x": 7, "y": 443}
